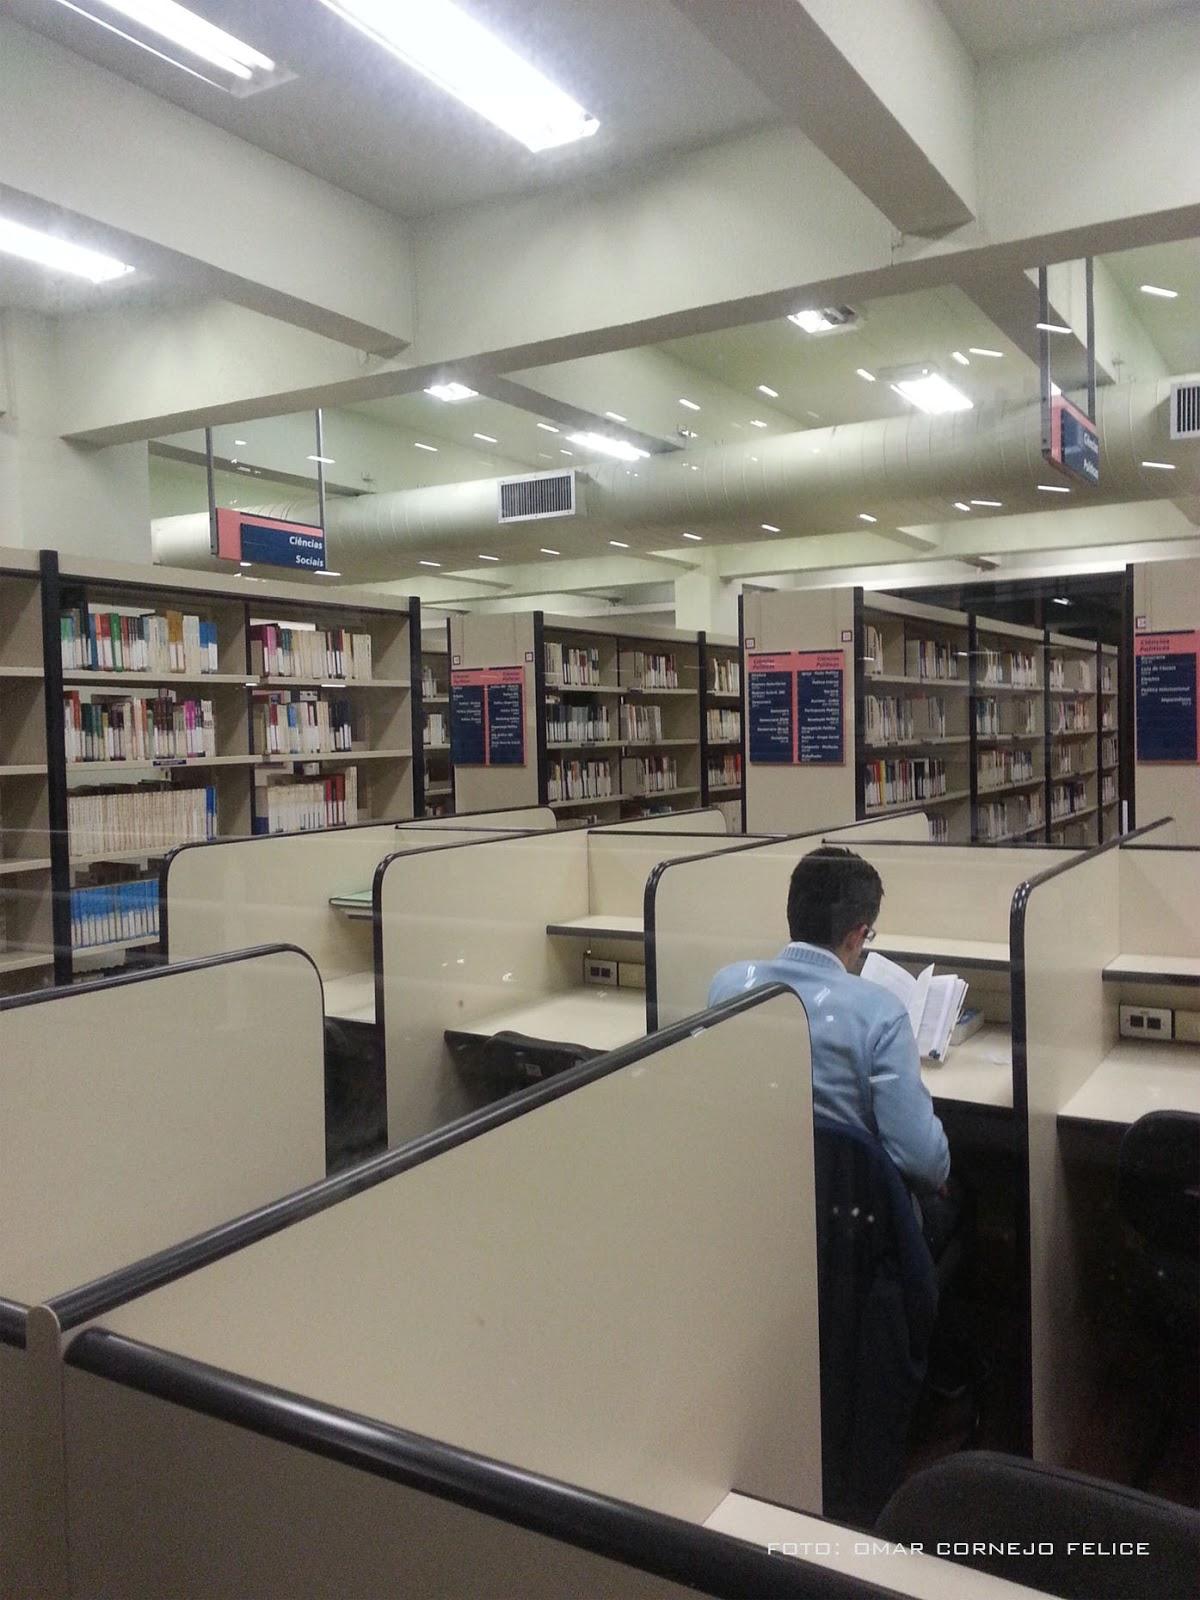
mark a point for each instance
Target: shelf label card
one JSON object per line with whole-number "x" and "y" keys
{"x": 796, "y": 708}
{"x": 1168, "y": 708}
{"x": 487, "y": 716}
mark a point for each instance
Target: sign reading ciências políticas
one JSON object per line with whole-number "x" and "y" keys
{"x": 796, "y": 708}
{"x": 487, "y": 716}
{"x": 1167, "y": 696}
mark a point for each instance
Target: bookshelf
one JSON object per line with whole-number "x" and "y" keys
{"x": 1109, "y": 775}
{"x": 435, "y": 699}
{"x": 1073, "y": 740}
{"x": 722, "y": 759}
{"x": 138, "y": 711}
{"x": 1008, "y": 732}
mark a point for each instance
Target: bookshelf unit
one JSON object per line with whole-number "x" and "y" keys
{"x": 435, "y": 699}
{"x": 722, "y": 758}
{"x": 1072, "y": 740}
{"x": 1109, "y": 776}
{"x": 1008, "y": 732}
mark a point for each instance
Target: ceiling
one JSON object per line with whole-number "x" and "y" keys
{"x": 359, "y": 118}
{"x": 992, "y": 28}
{"x": 1173, "y": 325}
{"x": 25, "y": 286}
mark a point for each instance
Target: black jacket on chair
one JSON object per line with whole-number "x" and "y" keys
{"x": 878, "y": 1301}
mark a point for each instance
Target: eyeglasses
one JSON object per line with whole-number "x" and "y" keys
{"x": 869, "y": 936}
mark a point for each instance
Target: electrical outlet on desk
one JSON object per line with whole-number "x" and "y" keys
{"x": 1146, "y": 1022}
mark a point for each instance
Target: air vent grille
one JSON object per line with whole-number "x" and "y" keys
{"x": 538, "y": 494}
{"x": 1185, "y": 410}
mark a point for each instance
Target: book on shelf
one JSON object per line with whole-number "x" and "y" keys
{"x": 576, "y": 724}
{"x": 725, "y": 772}
{"x": 151, "y": 817}
{"x": 137, "y": 728}
{"x": 726, "y": 676}
{"x": 1108, "y": 678}
{"x": 1001, "y": 819}
{"x": 279, "y": 651}
{"x": 437, "y": 731}
{"x": 1108, "y": 789}
{"x": 1072, "y": 716}
{"x": 932, "y": 1003}
{"x": 640, "y": 724}
{"x": 579, "y": 780}
{"x": 429, "y": 684}
{"x": 999, "y": 767}
{"x": 1015, "y": 668}
{"x": 300, "y": 723}
{"x": 650, "y": 774}
{"x": 901, "y": 780}
{"x": 155, "y": 643}
{"x": 572, "y": 665}
{"x": 1067, "y": 798}
{"x": 648, "y": 669}
{"x": 872, "y": 650}
{"x": 939, "y": 829}
{"x": 303, "y": 805}
{"x": 888, "y": 719}
{"x": 930, "y": 658}
{"x": 724, "y": 725}
{"x": 107, "y": 913}
{"x": 1108, "y": 750}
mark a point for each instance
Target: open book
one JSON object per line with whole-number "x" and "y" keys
{"x": 933, "y": 1004}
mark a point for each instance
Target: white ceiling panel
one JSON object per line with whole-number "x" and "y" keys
{"x": 991, "y": 28}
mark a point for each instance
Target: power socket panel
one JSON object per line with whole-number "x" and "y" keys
{"x": 598, "y": 970}
{"x": 1147, "y": 1022}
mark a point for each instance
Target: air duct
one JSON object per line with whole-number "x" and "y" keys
{"x": 906, "y": 471}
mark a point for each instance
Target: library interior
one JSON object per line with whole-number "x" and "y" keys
{"x": 599, "y": 799}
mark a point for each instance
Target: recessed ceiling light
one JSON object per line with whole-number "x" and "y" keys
{"x": 325, "y": 461}
{"x": 616, "y": 416}
{"x": 688, "y": 433}
{"x": 1054, "y": 488}
{"x": 1053, "y": 327}
{"x": 328, "y": 572}
{"x": 812, "y": 321}
{"x": 1163, "y": 294}
{"x": 245, "y": 563}
{"x": 450, "y": 392}
{"x": 698, "y": 537}
{"x": 429, "y": 563}
{"x": 618, "y": 544}
{"x": 980, "y": 350}
{"x": 933, "y": 394}
{"x": 465, "y": 59}
{"x": 961, "y": 505}
{"x": 60, "y": 255}
{"x": 757, "y": 422}
{"x": 245, "y": 469}
{"x": 690, "y": 404}
{"x": 864, "y": 516}
{"x": 1160, "y": 466}
{"x": 768, "y": 527}
{"x": 957, "y": 355}
{"x": 544, "y": 455}
{"x": 548, "y": 552}
{"x": 432, "y": 448}
{"x": 239, "y": 441}
{"x": 771, "y": 394}
{"x": 619, "y": 449}
{"x": 987, "y": 502}
{"x": 189, "y": 32}
{"x": 868, "y": 377}
{"x": 1060, "y": 602}
{"x": 489, "y": 558}
{"x": 486, "y": 437}
{"x": 548, "y": 427}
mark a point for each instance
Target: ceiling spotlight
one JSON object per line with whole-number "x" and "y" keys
{"x": 690, "y": 404}
{"x": 864, "y": 516}
{"x": 450, "y": 392}
{"x": 757, "y": 422}
{"x": 867, "y": 377}
{"x": 1160, "y": 466}
{"x": 619, "y": 449}
{"x": 489, "y": 558}
{"x": 429, "y": 563}
{"x": 618, "y": 544}
{"x": 932, "y": 394}
{"x": 768, "y": 527}
{"x": 771, "y": 394}
{"x": 616, "y": 416}
{"x": 548, "y": 427}
{"x": 957, "y": 355}
{"x": 547, "y": 552}
{"x": 60, "y": 255}
{"x": 470, "y": 62}
{"x": 980, "y": 350}
{"x": 1162, "y": 294}
{"x": 995, "y": 503}
{"x": 1053, "y": 488}
{"x": 486, "y": 437}
{"x": 432, "y": 448}
{"x": 698, "y": 537}
{"x": 1053, "y": 327}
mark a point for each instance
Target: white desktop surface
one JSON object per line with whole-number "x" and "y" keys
{"x": 602, "y": 1019}
{"x": 1166, "y": 967}
{"x": 924, "y": 1577}
{"x": 933, "y": 947}
{"x": 978, "y": 1071}
{"x": 356, "y": 906}
{"x": 601, "y": 925}
{"x": 1135, "y": 1078}
{"x": 351, "y": 998}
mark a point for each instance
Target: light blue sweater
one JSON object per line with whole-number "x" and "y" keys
{"x": 865, "y": 1067}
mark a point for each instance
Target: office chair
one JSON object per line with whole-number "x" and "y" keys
{"x": 1158, "y": 1198}
{"x": 509, "y": 1061}
{"x": 984, "y": 1510}
{"x": 878, "y": 1302}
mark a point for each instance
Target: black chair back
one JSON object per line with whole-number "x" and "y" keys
{"x": 1158, "y": 1181}
{"x": 1066, "y": 1534}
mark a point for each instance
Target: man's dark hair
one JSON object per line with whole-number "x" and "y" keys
{"x": 832, "y": 890}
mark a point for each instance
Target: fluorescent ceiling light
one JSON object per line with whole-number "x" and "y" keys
{"x": 961, "y": 505}
{"x": 245, "y": 563}
{"x": 868, "y": 377}
{"x": 690, "y": 404}
{"x": 979, "y": 350}
{"x": 486, "y": 437}
{"x": 963, "y": 361}
{"x": 618, "y": 544}
{"x": 432, "y": 448}
{"x": 429, "y": 563}
{"x": 616, "y": 416}
{"x": 757, "y": 422}
{"x": 547, "y": 427}
{"x": 698, "y": 537}
{"x": 1059, "y": 602}
{"x": 468, "y": 61}
{"x": 189, "y": 32}
{"x": 566, "y": 452}
{"x": 547, "y": 552}
{"x": 489, "y": 558}
{"x": 1160, "y": 466}
{"x": 239, "y": 441}
{"x": 933, "y": 394}
{"x": 864, "y": 516}
{"x": 1054, "y": 488}
{"x": 1053, "y": 327}
{"x": 450, "y": 392}
{"x": 771, "y": 394}
{"x": 619, "y": 449}
{"x": 325, "y": 461}
{"x": 987, "y": 502}
{"x": 60, "y": 255}
{"x": 768, "y": 527}
{"x": 1163, "y": 294}
{"x": 812, "y": 321}
{"x": 328, "y": 572}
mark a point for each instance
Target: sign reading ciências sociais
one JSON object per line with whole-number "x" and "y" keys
{"x": 269, "y": 541}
